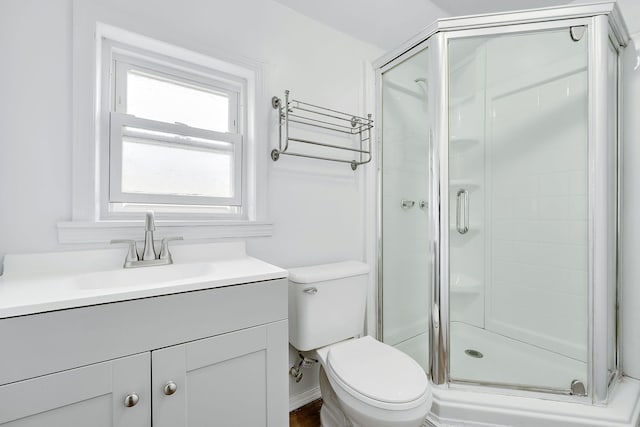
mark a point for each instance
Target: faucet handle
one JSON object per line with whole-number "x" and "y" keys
{"x": 164, "y": 250}
{"x": 132, "y": 255}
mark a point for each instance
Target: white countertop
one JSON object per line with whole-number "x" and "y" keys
{"x": 36, "y": 283}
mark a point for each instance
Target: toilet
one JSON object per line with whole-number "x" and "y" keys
{"x": 363, "y": 382}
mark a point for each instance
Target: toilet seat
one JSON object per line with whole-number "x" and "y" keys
{"x": 376, "y": 374}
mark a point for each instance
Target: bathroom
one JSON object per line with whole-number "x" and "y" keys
{"x": 303, "y": 211}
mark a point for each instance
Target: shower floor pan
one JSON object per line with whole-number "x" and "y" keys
{"x": 482, "y": 356}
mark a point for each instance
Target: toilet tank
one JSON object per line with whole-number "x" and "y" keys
{"x": 326, "y": 303}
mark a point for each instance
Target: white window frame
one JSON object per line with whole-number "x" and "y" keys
{"x": 94, "y": 44}
{"x": 118, "y": 59}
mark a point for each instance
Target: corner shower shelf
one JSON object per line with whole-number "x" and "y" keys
{"x": 463, "y": 284}
{"x": 463, "y": 183}
{"x": 314, "y": 117}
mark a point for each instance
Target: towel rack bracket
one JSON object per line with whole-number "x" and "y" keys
{"x": 275, "y": 155}
{"x": 276, "y": 102}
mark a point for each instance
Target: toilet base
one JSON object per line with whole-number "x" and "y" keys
{"x": 331, "y": 414}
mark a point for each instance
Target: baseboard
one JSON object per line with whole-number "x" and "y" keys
{"x": 303, "y": 398}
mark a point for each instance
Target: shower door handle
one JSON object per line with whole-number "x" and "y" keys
{"x": 462, "y": 211}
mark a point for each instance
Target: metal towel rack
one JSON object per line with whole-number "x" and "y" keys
{"x": 294, "y": 111}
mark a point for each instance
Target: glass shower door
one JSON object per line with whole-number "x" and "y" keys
{"x": 518, "y": 210}
{"x": 404, "y": 218}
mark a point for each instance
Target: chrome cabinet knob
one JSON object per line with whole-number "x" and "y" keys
{"x": 131, "y": 400}
{"x": 170, "y": 388}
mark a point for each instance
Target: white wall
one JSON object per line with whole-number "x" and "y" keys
{"x": 317, "y": 207}
{"x": 35, "y": 123}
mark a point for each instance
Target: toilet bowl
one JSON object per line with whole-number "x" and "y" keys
{"x": 363, "y": 382}
{"x": 375, "y": 384}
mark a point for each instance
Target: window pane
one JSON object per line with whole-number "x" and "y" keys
{"x": 154, "y": 98}
{"x": 153, "y": 167}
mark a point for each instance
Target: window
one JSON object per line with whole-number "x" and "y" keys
{"x": 175, "y": 138}
{"x": 161, "y": 127}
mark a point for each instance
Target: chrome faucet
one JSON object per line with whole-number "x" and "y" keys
{"x": 149, "y": 252}
{"x": 149, "y": 255}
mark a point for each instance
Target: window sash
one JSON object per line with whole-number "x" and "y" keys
{"x": 122, "y": 64}
{"x": 118, "y": 124}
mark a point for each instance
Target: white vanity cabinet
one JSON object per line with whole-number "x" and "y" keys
{"x": 209, "y": 357}
{"x": 224, "y": 378}
{"x": 92, "y": 395}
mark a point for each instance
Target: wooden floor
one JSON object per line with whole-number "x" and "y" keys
{"x": 306, "y": 416}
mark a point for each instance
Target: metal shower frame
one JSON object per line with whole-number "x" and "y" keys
{"x": 605, "y": 28}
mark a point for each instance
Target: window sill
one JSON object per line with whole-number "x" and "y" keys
{"x": 105, "y": 231}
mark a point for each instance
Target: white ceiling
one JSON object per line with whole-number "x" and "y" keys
{"x": 388, "y": 23}
{"x": 382, "y": 23}
{"x": 472, "y": 7}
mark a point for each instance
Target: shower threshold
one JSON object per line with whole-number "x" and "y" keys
{"x": 464, "y": 406}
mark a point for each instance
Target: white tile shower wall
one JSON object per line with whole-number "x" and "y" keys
{"x": 317, "y": 207}
{"x": 466, "y": 173}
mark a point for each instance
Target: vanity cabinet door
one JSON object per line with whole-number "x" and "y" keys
{"x": 92, "y": 396}
{"x": 237, "y": 379}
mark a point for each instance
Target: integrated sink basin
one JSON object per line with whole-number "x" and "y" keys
{"x": 144, "y": 276}
{"x": 35, "y": 283}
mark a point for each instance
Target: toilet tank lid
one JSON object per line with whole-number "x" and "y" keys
{"x": 320, "y": 273}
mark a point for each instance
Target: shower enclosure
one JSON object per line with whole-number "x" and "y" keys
{"x": 498, "y": 191}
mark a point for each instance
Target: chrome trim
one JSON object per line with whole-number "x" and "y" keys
{"x": 521, "y": 387}
{"x": 577, "y": 32}
{"x": 597, "y": 194}
{"x": 439, "y": 213}
{"x": 577, "y": 388}
{"x": 407, "y": 204}
{"x": 613, "y": 377}
{"x": 132, "y": 253}
{"x": 380, "y": 161}
{"x": 149, "y": 251}
{"x": 511, "y": 29}
{"x": 316, "y": 117}
{"x": 502, "y": 19}
{"x": 133, "y": 259}
{"x": 436, "y": 38}
{"x": 555, "y": 394}
{"x": 165, "y": 254}
{"x": 462, "y": 211}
